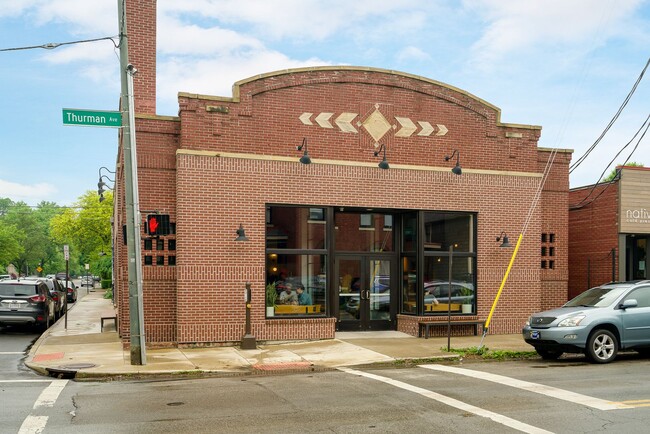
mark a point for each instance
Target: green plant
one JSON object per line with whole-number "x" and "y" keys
{"x": 271, "y": 294}
{"x": 108, "y": 294}
{"x": 466, "y": 292}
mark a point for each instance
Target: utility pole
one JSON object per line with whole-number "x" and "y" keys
{"x": 136, "y": 312}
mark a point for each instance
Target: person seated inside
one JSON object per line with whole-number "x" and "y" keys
{"x": 304, "y": 299}
{"x": 288, "y": 296}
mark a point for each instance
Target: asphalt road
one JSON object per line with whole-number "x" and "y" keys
{"x": 565, "y": 396}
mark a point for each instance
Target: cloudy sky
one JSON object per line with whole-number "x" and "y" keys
{"x": 567, "y": 65}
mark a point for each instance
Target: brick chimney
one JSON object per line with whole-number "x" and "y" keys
{"x": 141, "y": 32}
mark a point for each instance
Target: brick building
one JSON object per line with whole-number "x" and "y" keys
{"x": 609, "y": 228}
{"x": 362, "y": 246}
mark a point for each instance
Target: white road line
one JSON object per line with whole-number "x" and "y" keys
{"x": 504, "y": 420}
{"x": 48, "y": 396}
{"x": 33, "y": 425}
{"x": 553, "y": 392}
{"x": 12, "y": 353}
{"x": 25, "y": 381}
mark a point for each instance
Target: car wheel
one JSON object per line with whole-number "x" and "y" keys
{"x": 548, "y": 354}
{"x": 602, "y": 346}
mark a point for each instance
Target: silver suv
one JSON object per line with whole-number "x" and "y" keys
{"x": 599, "y": 322}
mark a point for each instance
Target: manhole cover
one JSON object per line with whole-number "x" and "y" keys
{"x": 78, "y": 366}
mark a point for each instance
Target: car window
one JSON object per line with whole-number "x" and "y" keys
{"x": 601, "y": 296}
{"x": 12, "y": 290}
{"x": 641, "y": 295}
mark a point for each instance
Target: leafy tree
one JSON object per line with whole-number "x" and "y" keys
{"x": 33, "y": 230}
{"x": 612, "y": 175}
{"x": 86, "y": 229}
{"x": 11, "y": 240}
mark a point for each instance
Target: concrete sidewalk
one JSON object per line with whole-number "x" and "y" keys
{"x": 83, "y": 351}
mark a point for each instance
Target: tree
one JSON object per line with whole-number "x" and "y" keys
{"x": 10, "y": 244}
{"x": 86, "y": 228}
{"x": 614, "y": 173}
{"x": 32, "y": 227}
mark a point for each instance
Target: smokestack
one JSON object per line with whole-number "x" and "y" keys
{"x": 141, "y": 33}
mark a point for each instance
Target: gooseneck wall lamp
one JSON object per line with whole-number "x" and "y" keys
{"x": 101, "y": 184}
{"x": 505, "y": 241}
{"x": 241, "y": 235}
{"x": 456, "y": 170}
{"x": 383, "y": 164}
{"x": 305, "y": 159}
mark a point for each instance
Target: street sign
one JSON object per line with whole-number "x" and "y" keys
{"x": 66, "y": 252}
{"x": 92, "y": 118}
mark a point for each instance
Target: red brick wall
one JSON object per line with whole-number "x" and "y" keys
{"x": 141, "y": 32}
{"x": 208, "y": 193}
{"x": 593, "y": 228}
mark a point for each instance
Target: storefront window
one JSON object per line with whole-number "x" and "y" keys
{"x": 442, "y": 230}
{"x": 437, "y": 295}
{"x": 409, "y": 285}
{"x": 300, "y": 283}
{"x": 295, "y": 228}
{"x": 363, "y": 232}
{"x": 296, "y": 262}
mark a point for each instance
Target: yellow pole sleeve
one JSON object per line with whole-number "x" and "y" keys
{"x": 503, "y": 282}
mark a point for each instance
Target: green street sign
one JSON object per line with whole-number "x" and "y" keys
{"x": 92, "y": 118}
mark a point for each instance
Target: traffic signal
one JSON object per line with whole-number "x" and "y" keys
{"x": 157, "y": 224}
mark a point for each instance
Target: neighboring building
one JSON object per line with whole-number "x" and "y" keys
{"x": 364, "y": 248}
{"x": 609, "y": 228}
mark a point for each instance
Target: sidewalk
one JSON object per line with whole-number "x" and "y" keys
{"x": 82, "y": 350}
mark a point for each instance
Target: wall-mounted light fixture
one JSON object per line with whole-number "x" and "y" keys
{"x": 456, "y": 170}
{"x": 305, "y": 159}
{"x": 504, "y": 237}
{"x": 101, "y": 184}
{"x": 383, "y": 164}
{"x": 241, "y": 235}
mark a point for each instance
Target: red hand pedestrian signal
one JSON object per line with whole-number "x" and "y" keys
{"x": 153, "y": 224}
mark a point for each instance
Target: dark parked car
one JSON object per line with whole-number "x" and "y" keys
{"x": 72, "y": 291}
{"x": 26, "y": 301}
{"x": 599, "y": 322}
{"x": 57, "y": 292}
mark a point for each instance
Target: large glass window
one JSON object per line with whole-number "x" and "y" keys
{"x": 295, "y": 228}
{"x": 363, "y": 232}
{"x": 426, "y": 285}
{"x": 296, "y": 262}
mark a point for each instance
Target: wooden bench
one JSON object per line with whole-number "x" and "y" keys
{"x": 429, "y": 325}
{"x": 108, "y": 316}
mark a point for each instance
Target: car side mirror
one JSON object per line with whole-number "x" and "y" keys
{"x": 630, "y": 302}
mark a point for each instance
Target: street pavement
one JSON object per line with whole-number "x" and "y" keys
{"x": 80, "y": 349}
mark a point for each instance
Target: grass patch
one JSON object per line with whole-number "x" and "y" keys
{"x": 486, "y": 353}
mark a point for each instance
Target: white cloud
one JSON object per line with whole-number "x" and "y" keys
{"x": 516, "y": 27}
{"x": 23, "y": 192}
{"x": 96, "y": 17}
{"x": 412, "y": 54}
{"x": 216, "y": 75}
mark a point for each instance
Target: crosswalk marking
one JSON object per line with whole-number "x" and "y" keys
{"x": 553, "y": 392}
{"x": 48, "y": 396}
{"x": 499, "y": 418}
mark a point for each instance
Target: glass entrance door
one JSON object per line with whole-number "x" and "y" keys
{"x": 364, "y": 293}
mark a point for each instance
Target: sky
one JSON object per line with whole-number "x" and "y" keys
{"x": 566, "y": 65}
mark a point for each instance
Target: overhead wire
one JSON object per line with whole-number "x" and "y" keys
{"x": 581, "y": 204}
{"x": 52, "y": 45}
{"x": 612, "y": 121}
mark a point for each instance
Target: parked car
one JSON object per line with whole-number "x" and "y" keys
{"x": 599, "y": 322}
{"x": 57, "y": 292}
{"x": 87, "y": 281}
{"x": 26, "y": 301}
{"x": 461, "y": 292}
{"x": 62, "y": 276}
{"x": 4, "y": 276}
{"x": 72, "y": 291}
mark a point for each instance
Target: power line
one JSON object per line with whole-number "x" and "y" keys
{"x": 612, "y": 121}
{"x": 53, "y": 45}
{"x": 581, "y": 204}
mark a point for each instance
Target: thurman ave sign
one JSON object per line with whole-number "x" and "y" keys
{"x": 92, "y": 118}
